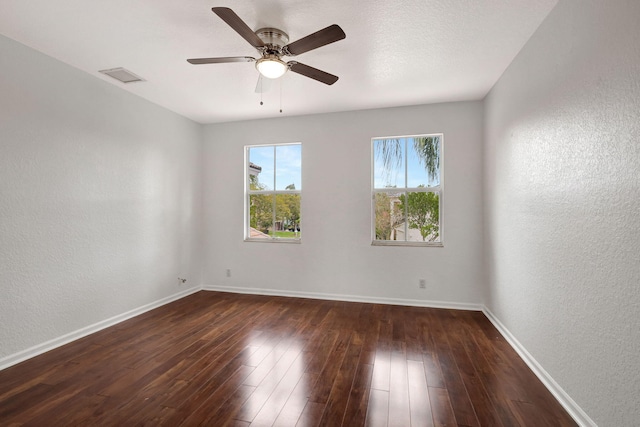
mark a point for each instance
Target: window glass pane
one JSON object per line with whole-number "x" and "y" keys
{"x": 287, "y": 216}
{"x": 389, "y": 216}
{"x": 423, "y": 161}
{"x": 405, "y": 170}
{"x": 423, "y": 216}
{"x": 288, "y": 167}
{"x": 260, "y": 215}
{"x": 389, "y": 163}
{"x": 261, "y": 168}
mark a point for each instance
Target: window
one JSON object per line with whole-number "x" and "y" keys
{"x": 407, "y": 190}
{"x": 273, "y": 190}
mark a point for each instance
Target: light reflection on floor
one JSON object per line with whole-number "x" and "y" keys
{"x": 278, "y": 380}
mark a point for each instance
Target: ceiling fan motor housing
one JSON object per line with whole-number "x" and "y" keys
{"x": 274, "y": 39}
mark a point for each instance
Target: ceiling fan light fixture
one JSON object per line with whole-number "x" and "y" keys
{"x": 271, "y": 67}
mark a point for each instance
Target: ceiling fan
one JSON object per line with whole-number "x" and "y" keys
{"x": 273, "y": 44}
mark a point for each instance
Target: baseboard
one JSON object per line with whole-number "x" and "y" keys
{"x": 21, "y": 356}
{"x": 561, "y": 396}
{"x": 343, "y": 297}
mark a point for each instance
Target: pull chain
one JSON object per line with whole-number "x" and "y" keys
{"x": 281, "y": 79}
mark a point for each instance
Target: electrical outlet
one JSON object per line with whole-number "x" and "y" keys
{"x": 228, "y": 272}
{"x": 422, "y": 284}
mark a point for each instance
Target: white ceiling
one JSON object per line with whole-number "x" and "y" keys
{"x": 397, "y": 52}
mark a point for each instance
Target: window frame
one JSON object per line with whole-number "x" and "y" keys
{"x": 439, "y": 189}
{"x": 248, "y": 192}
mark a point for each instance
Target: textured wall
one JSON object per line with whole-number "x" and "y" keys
{"x": 562, "y": 188}
{"x": 99, "y": 200}
{"x": 336, "y": 256}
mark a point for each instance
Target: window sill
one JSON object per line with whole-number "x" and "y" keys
{"x": 295, "y": 241}
{"x": 412, "y": 244}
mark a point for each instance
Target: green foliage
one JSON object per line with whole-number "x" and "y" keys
{"x": 254, "y": 184}
{"x": 427, "y": 148}
{"x": 260, "y": 207}
{"x": 423, "y": 213}
{"x": 388, "y": 217}
{"x": 287, "y": 208}
{"x": 261, "y": 212}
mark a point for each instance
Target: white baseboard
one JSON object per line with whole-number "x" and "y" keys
{"x": 561, "y": 396}
{"x": 21, "y": 356}
{"x": 343, "y": 297}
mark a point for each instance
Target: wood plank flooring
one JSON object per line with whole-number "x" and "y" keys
{"x": 219, "y": 359}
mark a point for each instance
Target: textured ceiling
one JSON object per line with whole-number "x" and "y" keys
{"x": 397, "y": 52}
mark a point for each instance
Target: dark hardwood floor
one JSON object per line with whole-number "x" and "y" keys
{"x": 221, "y": 359}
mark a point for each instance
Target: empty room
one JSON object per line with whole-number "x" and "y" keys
{"x": 298, "y": 213}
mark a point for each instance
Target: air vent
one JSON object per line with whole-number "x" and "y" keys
{"x": 125, "y": 76}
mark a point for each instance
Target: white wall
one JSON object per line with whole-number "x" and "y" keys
{"x": 562, "y": 197}
{"x": 99, "y": 200}
{"x": 336, "y": 256}
{"x": 100, "y": 204}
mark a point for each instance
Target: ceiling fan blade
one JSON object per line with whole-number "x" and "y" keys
{"x": 198, "y": 61}
{"x": 263, "y": 85}
{"x": 328, "y": 35}
{"x": 234, "y": 21}
{"x": 314, "y": 73}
